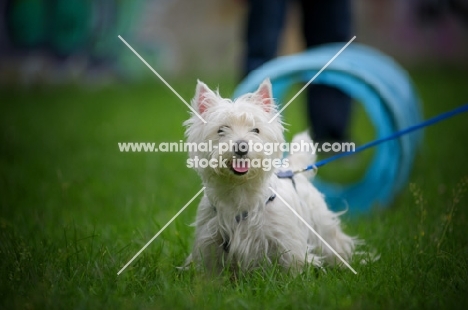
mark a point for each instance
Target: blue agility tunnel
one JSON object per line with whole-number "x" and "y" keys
{"x": 388, "y": 97}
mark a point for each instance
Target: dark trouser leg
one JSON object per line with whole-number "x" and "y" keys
{"x": 265, "y": 21}
{"x": 329, "y": 109}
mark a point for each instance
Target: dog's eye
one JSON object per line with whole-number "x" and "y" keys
{"x": 256, "y": 130}
{"x": 221, "y": 130}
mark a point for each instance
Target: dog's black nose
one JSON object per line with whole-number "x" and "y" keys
{"x": 241, "y": 147}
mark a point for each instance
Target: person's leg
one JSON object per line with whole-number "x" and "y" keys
{"x": 329, "y": 111}
{"x": 328, "y": 108}
{"x": 265, "y": 21}
{"x": 326, "y": 21}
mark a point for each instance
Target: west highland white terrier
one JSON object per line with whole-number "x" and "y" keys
{"x": 241, "y": 223}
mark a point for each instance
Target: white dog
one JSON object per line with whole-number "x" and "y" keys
{"x": 241, "y": 223}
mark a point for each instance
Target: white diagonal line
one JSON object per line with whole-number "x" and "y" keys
{"x": 310, "y": 227}
{"x": 312, "y": 79}
{"x": 162, "y": 229}
{"x": 163, "y": 80}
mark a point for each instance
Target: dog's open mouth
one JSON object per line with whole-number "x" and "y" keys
{"x": 240, "y": 166}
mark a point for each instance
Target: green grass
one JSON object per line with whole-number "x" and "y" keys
{"x": 74, "y": 210}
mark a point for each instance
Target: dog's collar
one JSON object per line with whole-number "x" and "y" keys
{"x": 243, "y": 216}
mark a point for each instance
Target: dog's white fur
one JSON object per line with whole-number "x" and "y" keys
{"x": 270, "y": 232}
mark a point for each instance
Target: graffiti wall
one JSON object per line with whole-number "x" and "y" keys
{"x": 76, "y": 40}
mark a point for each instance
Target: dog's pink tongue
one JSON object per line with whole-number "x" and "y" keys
{"x": 240, "y": 166}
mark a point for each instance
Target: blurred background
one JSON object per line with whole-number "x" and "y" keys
{"x": 58, "y": 41}
{"x": 70, "y": 87}
{"x": 74, "y": 209}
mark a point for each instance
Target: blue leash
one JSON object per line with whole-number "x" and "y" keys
{"x": 429, "y": 122}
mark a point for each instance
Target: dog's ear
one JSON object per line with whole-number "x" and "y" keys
{"x": 266, "y": 95}
{"x": 203, "y": 94}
